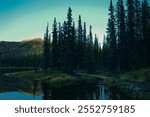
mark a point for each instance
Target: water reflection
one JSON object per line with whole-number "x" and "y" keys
{"x": 26, "y": 89}
{"x": 77, "y": 91}
{"x": 22, "y": 89}
{"x": 18, "y": 96}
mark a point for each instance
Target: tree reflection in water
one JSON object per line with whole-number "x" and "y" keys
{"x": 77, "y": 91}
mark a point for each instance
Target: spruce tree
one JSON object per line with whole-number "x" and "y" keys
{"x": 46, "y": 50}
{"x": 146, "y": 32}
{"x": 96, "y": 53}
{"x": 138, "y": 33}
{"x": 60, "y": 45}
{"x": 80, "y": 44}
{"x": 105, "y": 53}
{"x": 121, "y": 36}
{"x": 85, "y": 46}
{"x": 131, "y": 35}
{"x": 111, "y": 38}
{"x": 62, "y": 57}
{"x": 69, "y": 42}
{"x": 55, "y": 45}
{"x": 99, "y": 56}
{"x": 90, "y": 58}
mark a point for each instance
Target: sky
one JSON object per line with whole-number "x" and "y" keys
{"x": 26, "y": 19}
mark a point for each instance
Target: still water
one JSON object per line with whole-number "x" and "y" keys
{"x": 26, "y": 89}
{"x": 18, "y": 96}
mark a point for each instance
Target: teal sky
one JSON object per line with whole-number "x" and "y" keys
{"x": 25, "y": 19}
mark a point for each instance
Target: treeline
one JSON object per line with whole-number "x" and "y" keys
{"x": 71, "y": 47}
{"x": 21, "y": 54}
{"x": 34, "y": 60}
{"x": 126, "y": 46}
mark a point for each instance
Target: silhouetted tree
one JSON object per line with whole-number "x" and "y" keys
{"x": 80, "y": 48}
{"x": 96, "y": 53}
{"x": 105, "y": 54}
{"x": 146, "y": 32}
{"x": 46, "y": 50}
{"x": 55, "y": 45}
{"x": 84, "y": 46}
{"x": 121, "y": 36}
{"x": 69, "y": 43}
{"x": 131, "y": 35}
{"x": 111, "y": 39}
{"x": 90, "y": 58}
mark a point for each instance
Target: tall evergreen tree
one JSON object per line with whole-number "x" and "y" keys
{"x": 96, "y": 53}
{"x": 80, "y": 48}
{"x": 85, "y": 45}
{"x": 111, "y": 38}
{"x": 106, "y": 53}
{"x": 73, "y": 47}
{"x": 49, "y": 51}
{"x": 90, "y": 59}
{"x": 138, "y": 33}
{"x": 146, "y": 32}
{"x": 46, "y": 50}
{"x": 62, "y": 57}
{"x": 121, "y": 36}
{"x": 69, "y": 42}
{"x": 131, "y": 35}
{"x": 99, "y": 56}
{"x": 55, "y": 45}
{"x": 60, "y": 44}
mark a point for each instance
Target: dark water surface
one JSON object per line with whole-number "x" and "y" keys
{"x": 26, "y": 89}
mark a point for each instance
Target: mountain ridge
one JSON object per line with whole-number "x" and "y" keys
{"x": 25, "y": 47}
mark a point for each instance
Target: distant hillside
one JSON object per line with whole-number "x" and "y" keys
{"x": 26, "y": 47}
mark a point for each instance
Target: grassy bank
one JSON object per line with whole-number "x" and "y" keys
{"x": 142, "y": 76}
{"x": 52, "y": 78}
{"x": 118, "y": 89}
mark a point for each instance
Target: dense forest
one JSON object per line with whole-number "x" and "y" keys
{"x": 73, "y": 47}
{"x": 127, "y": 44}
{"x": 125, "y": 47}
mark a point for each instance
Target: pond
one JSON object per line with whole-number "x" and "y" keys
{"x": 26, "y": 89}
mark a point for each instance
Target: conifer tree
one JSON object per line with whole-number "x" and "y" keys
{"x": 60, "y": 44}
{"x": 131, "y": 35}
{"x": 62, "y": 56}
{"x": 90, "y": 59}
{"x": 55, "y": 45}
{"x": 84, "y": 46}
{"x": 146, "y": 32}
{"x": 111, "y": 39}
{"x": 105, "y": 54}
{"x": 121, "y": 36}
{"x": 138, "y": 33}
{"x": 46, "y": 50}
{"x": 80, "y": 44}
{"x": 99, "y": 56}
{"x": 69, "y": 42}
{"x": 96, "y": 53}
